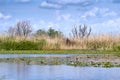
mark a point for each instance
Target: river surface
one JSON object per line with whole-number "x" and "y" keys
{"x": 22, "y": 71}
{"x": 35, "y": 55}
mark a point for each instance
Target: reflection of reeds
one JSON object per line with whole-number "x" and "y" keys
{"x": 101, "y": 42}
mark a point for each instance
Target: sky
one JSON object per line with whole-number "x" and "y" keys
{"x": 103, "y": 16}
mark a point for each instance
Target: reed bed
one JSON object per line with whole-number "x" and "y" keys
{"x": 93, "y": 42}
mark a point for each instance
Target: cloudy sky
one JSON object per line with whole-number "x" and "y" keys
{"x": 102, "y": 15}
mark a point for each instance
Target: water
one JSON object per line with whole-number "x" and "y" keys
{"x": 22, "y": 71}
{"x": 34, "y": 55}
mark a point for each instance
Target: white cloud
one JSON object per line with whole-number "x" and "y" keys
{"x": 112, "y": 25}
{"x": 112, "y": 13}
{"x": 23, "y": 1}
{"x": 103, "y": 12}
{"x": 58, "y": 4}
{"x": 53, "y": 25}
{"x": 5, "y": 23}
{"x": 64, "y": 17}
{"x": 2, "y": 16}
{"x": 90, "y": 13}
{"x": 50, "y": 5}
{"x": 42, "y": 22}
{"x": 45, "y": 25}
{"x": 71, "y": 1}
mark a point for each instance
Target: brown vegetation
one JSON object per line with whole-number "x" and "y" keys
{"x": 80, "y": 38}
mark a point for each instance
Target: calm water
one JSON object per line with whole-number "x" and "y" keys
{"x": 34, "y": 55}
{"x": 56, "y": 72}
{"x": 21, "y": 71}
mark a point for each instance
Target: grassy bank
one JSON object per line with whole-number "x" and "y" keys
{"x": 91, "y": 45}
{"x": 60, "y": 52}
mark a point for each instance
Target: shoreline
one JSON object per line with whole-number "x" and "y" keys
{"x": 61, "y": 51}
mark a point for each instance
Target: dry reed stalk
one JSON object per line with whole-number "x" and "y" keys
{"x": 106, "y": 41}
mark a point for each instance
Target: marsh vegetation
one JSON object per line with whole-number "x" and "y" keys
{"x": 21, "y": 37}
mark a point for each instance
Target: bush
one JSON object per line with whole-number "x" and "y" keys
{"x": 22, "y": 45}
{"x": 9, "y": 45}
{"x": 26, "y": 45}
{"x": 107, "y": 64}
{"x": 116, "y": 48}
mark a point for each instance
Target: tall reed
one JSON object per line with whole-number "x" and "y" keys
{"x": 93, "y": 42}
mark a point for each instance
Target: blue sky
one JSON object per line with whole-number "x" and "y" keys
{"x": 102, "y": 15}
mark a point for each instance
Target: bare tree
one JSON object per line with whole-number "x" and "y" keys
{"x": 81, "y": 31}
{"x": 11, "y": 32}
{"x": 23, "y": 28}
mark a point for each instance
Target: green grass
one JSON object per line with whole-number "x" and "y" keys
{"x": 22, "y": 45}
{"x": 59, "y": 52}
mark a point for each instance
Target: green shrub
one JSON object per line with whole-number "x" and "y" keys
{"x": 9, "y": 45}
{"x": 26, "y": 45}
{"x": 116, "y": 48}
{"x": 107, "y": 64}
{"x": 22, "y": 45}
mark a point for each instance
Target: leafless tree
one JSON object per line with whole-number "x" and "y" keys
{"x": 11, "y": 32}
{"x": 81, "y": 31}
{"x": 23, "y": 28}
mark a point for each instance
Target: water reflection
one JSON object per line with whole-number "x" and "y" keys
{"x": 34, "y": 55}
{"x": 21, "y": 71}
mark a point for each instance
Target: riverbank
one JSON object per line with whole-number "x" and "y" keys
{"x": 59, "y": 52}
